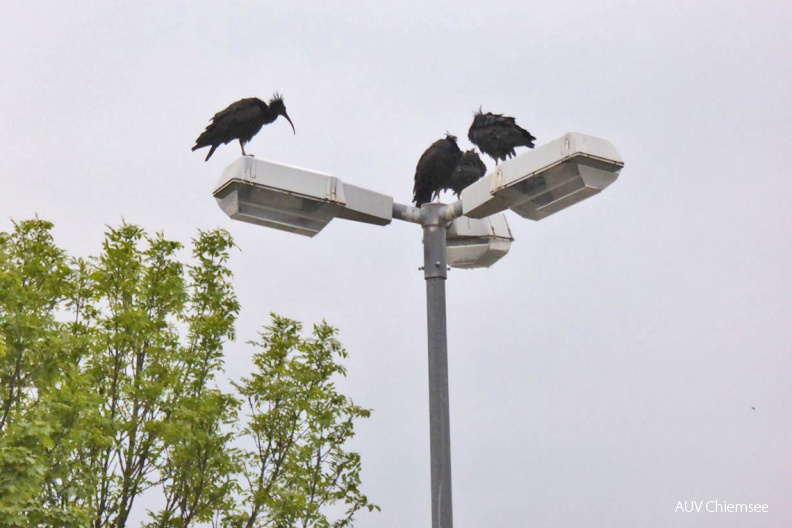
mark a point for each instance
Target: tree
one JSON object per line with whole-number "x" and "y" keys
{"x": 35, "y": 374}
{"x": 108, "y": 371}
{"x": 298, "y": 424}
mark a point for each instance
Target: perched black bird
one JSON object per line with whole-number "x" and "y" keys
{"x": 496, "y": 135}
{"x": 241, "y": 120}
{"x": 469, "y": 169}
{"x": 435, "y": 168}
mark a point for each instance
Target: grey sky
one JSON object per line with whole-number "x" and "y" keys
{"x": 601, "y": 372}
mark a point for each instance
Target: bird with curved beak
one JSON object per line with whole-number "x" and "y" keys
{"x": 241, "y": 121}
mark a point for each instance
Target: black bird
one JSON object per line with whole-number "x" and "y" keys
{"x": 241, "y": 120}
{"x": 469, "y": 169}
{"x": 496, "y": 135}
{"x": 435, "y": 168}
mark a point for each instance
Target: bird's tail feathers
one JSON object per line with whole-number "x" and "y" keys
{"x": 529, "y": 139}
{"x": 421, "y": 196}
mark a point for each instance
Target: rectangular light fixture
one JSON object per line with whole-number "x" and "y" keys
{"x": 477, "y": 243}
{"x": 545, "y": 180}
{"x": 294, "y": 199}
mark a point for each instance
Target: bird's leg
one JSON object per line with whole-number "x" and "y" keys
{"x": 243, "y": 147}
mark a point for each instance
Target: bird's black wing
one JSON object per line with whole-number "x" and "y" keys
{"x": 469, "y": 169}
{"x": 434, "y": 169}
{"x": 497, "y": 135}
{"x": 226, "y": 122}
{"x": 241, "y": 107}
{"x": 510, "y": 132}
{"x": 424, "y": 186}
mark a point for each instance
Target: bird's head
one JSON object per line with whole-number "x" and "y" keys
{"x": 277, "y": 105}
{"x": 479, "y": 118}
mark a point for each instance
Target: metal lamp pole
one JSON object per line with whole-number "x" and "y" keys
{"x": 434, "y": 219}
{"x": 434, "y": 234}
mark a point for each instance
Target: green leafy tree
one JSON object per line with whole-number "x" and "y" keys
{"x": 108, "y": 370}
{"x": 198, "y": 469}
{"x": 35, "y": 364}
{"x": 298, "y": 425}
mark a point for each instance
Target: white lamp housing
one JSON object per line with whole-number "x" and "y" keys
{"x": 293, "y": 199}
{"x": 472, "y": 243}
{"x": 545, "y": 180}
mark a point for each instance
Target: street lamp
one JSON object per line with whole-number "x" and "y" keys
{"x": 469, "y": 233}
{"x": 548, "y": 179}
{"x": 293, "y": 199}
{"x": 473, "y": 243}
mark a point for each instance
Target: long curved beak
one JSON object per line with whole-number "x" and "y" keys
{"x": 290, "y": 122}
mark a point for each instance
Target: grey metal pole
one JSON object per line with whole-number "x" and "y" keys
{"x": 433, "y": 219}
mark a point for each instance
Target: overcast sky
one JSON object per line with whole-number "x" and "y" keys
{"x": 600, "y": 373}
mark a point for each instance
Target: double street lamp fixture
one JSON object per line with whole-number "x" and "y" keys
{"x": 469, "y": 233}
